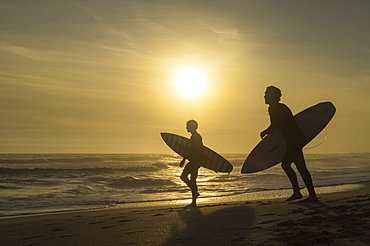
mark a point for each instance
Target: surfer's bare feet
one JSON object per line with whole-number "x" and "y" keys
{"x": 191, "y": 205}
{"x": 310, "y": 199}
{"x": 295, "y": 196}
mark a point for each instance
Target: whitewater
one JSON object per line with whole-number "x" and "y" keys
{"x": 44, "y": 183}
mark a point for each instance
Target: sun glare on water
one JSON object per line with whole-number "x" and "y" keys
{"x": 191, "y": 82}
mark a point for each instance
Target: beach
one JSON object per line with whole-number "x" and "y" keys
{"x": 339, "y": 218}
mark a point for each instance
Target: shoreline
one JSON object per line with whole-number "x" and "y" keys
{"x": 206, "y": 200}
{"x": 338, "y": 218}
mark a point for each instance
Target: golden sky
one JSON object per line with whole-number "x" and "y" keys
{"x": 98, "y": 76}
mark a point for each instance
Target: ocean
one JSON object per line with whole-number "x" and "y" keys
{"x": 44, "y": 183}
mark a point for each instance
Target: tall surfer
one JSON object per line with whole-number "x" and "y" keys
{"x": 281, "y": 119}
{"x": 194, "y": 157}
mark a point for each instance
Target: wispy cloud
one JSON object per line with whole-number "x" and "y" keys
{"x": 20, "y": 51}
{"x": 106, "y": 26}
{"x": 226, "y": 34}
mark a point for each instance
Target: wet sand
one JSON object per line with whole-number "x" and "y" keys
{"x": 337, "y": 219}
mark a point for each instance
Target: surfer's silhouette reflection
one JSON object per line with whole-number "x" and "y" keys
{"x": 282, "y": 119}
{"x": 194, "y": 156}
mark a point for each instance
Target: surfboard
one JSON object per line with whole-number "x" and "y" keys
{"x": 211, "y": 159}
{"x": 271, "y": 149}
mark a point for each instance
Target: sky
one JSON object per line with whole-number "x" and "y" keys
{"x": 98, "y": 76}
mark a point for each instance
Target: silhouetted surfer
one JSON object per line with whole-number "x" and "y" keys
{"x": 194, "y": 156}
{"x": 282, "y": 119}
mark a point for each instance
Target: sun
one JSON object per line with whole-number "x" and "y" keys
{"x": 191, "y": 82}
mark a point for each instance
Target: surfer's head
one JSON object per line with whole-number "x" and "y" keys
{"x": 191, "y": 126}
{"x": 272, "y": 95}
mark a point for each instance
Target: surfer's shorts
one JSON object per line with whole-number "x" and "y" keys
{"x": 194, "y": 164}
{"x": 294, "y": 151}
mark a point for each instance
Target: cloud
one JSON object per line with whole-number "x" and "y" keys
{"x": 20, "y": 51}
{"x": 106, "y": 26}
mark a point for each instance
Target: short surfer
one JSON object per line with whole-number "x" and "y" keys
{"x": 281, "y": 119}
{"x": 194, "y": 157}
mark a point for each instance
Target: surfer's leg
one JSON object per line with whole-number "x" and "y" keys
{"x": 193, "y": 172}
{"x": 287, "y": 166}
{"x": 194, "y": 187}
{"x": 306, "y": 176}
{"x": 184, "y": 175}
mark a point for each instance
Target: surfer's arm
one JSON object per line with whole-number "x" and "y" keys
{"x": 276, "y": 119}
{"x": 272, "y": 126}
{"x": 269, "y": 130}
{"x": 191, "y": 152}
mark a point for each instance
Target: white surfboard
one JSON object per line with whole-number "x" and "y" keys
{"x": 211, "y": 159}
{"x": 271, "y": 150}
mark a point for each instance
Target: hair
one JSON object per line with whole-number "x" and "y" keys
{"x": 192, "y": 123}
{"x": 276, "y": 92}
